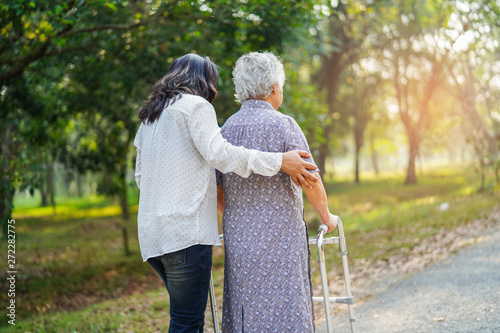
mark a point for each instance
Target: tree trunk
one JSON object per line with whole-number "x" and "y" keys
{"x": 321, "y": 159}
{"x": 359, "y": 128}
{"x": 332, "y": 68}
{"x": 43, "y": 193}
{"x": 374, "y": 156}
{"x": 411, "y": 177}
{"x": 108, "y": 182}
{"x": 79, "y": 184}
{"x": 68, "y": 177}
{"x": 356, "y": 163}
{"x": 6, "y": 188}
{"x": 124, "y": 203}
{"x": 324, "y": 147}
{"x": 50, "y": 182}
{"x": 122, "y": 195}
{"x": 415, "y": 127}
{"x": 419, "y": 165}
{"x": 497, "y": 174}
{"x": 478, "y": 127}
{"x": 484, "y": 144}
{"x": 482, "y": 174}
{"x": 6, "y": 210}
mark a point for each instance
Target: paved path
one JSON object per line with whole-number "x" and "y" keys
{"x": 458, "y": 294}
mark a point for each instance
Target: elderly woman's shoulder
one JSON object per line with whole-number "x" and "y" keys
{"x": 285, "y": 120}
{"x": 280, "y": 119}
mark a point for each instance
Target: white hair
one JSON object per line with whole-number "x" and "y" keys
{"x": 255, "y": 73}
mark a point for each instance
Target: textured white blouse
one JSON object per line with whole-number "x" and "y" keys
{"x": 176, "y": 157}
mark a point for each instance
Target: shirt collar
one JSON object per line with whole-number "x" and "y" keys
{"x": 256, "y": 104}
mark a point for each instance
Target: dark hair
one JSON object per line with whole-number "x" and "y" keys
{"x": 189, "y": 74}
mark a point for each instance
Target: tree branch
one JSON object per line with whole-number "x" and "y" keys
{"x": 146, "y": 21}
{"x": 20, "y": 63}
{"x": 69, "y": 49}
{"x": 102, "y": 27}
{"x": 23, "y": 62}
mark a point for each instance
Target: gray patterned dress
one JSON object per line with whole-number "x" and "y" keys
{"x": 267, "y": 285}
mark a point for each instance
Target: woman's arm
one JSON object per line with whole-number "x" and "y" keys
{"x": 317, "y": 197}
{"x": 137, "y": 145}
{"x": 316, "y": 194}
{"x": 220, "y": 199}
{"x": 138, "y": 169}
{"x": 221, "y": 155}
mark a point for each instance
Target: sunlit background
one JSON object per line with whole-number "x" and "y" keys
{"x": 399, "y": 101}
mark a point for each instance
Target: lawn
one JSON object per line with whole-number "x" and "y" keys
{"x": 73, "y": 275}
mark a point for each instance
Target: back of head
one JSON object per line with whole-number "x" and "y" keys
{"x": 189, "y": 74}
{"x": 255, "y": 73}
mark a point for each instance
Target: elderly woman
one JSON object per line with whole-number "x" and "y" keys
{"x": 267, "y": 284}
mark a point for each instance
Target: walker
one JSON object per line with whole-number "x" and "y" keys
{"x": 326, "y": 299}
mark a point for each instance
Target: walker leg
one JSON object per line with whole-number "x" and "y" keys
{"x": 347, "y": 278}
{"x": 324, "y": 281}
{"x": 215, "y": 318}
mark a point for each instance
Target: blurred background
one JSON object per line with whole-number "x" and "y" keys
{"x": 399, "y": 100}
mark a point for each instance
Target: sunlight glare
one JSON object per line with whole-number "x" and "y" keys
{"x": 463, "y": 41}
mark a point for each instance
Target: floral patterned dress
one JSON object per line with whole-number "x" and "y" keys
{"x": 267, "y": 284}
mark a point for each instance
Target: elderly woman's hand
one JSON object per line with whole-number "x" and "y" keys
{"x": 331, "y": 222}
{"x": 296, "y": 167}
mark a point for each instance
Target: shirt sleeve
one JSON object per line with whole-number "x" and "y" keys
{"x": 220, "y": 154}
{"x": 296, "y": 140}
{"x": 137, "y": 144}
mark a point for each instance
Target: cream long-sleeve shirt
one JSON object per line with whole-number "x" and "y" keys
{"x": 176, "y": 157}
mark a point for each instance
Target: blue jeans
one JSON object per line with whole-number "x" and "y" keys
{"x": 186, "y": 274}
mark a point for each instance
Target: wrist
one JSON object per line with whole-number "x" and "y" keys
{"x": 325, "y": 217}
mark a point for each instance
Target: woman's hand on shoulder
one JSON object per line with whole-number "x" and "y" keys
{"x": 296, "y": 167}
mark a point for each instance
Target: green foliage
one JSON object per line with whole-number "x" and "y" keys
{"x": 302, "y": 100}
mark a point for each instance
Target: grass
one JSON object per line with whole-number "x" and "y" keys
{"x": 71, "y": 208}
{"x": 74, "y": 258}
{"x": 73, "y": 276}
{"x": 384, "y": 214}
{"x": 140, "y": 312}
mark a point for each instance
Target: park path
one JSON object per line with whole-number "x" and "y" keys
{"x": 458, "y": 294}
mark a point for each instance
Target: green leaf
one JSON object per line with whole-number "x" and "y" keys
{"x": 65, "y": 21}
{"x": 111, "y": 6}
{"x": 58, "y": 10}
